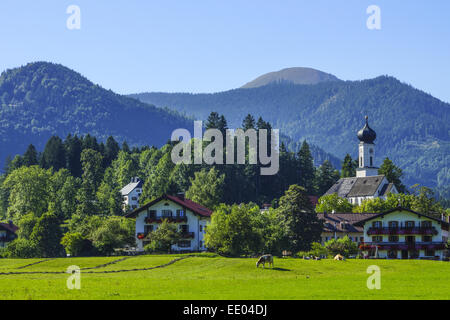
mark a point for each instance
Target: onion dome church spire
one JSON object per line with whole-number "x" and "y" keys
{"x": 366, "y": 134}
{"x": 366, "y": 157}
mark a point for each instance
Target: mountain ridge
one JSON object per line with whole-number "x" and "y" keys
{"x": 295, "y": 75}
{"x": 413, "y": 127}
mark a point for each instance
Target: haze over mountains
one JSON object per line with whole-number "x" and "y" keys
{"x": 413, "y": 127}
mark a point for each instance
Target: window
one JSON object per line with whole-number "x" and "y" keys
{"x": 410, "y": 239}
{"x": 201, "y": 228}
{"x": 410, "y": 224}
{"x": 393, "y": 238}
{"x": 180, "y": 213}
{"x": 429, "y": 253}
{"x": 393, "y": 224}
{"x": 376, "y": 224}
{"x": 361, "y": 239}
{"x": 184, "y": 228}
{"x": 134, "y": 206}
{"x": 201, "y": 243}
{"x": 133, "y": 198}
{"x": 377, "y": 239}
{"x": 392, "y": 254}
{"x": 426, "y": 238}
{"x": 184, "y": 244}
{"x": 151, "y": 214}
{"x": 166, "y": 213}
{"x": 148, "y": 228}
{"x": 371, "y": 161}
{"x": 426, "y": 224}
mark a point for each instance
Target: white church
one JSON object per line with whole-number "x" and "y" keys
{"x": 367, "y": 184}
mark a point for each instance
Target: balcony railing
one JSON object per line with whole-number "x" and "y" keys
{"x": 403, "y": 245}
{"x": 159, "y": 219}
{"x": 187, "y": 235}
{"x": 184, "y": 235}
{"x": 403, "y": 230}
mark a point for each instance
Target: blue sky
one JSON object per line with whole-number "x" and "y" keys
{"x": 211, "y": 45}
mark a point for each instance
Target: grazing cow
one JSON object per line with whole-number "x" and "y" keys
{"x": 339, "y": 257}
{"x": 263, "y": 259}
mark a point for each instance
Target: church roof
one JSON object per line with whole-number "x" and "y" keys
{"x": 358, "y": 186}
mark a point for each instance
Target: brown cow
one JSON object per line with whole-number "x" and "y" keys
{"x": 263, "y": 259}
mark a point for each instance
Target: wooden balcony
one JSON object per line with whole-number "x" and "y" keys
{"x": 403, "y": 245}
{"x": 159, "y": 219}
{"x": 402, "y": 231}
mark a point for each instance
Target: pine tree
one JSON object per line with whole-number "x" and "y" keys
{"x": 30, "y": 157}
{"x": 326, "y": 176}
{"x": 348, "y": 167}
{"x": 393, "y": 174}
{"x": 54, "y": 155}
{"x": 306, "y": 168}
{"x": 213, "y": 121}
{"x": 112, "y": 149}
{"x": 73, "y": 146}
{"x": 248, "y": 123}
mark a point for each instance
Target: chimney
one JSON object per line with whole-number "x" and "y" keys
{"x": 180, "y": 195}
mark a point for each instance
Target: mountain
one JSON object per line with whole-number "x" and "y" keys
{"x": 43, "y": 99}
{"x": 291, "y": 75}
{"x": 413, "y": 128}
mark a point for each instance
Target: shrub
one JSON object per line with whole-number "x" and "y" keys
{"x": 344, "y": 246}
{"x": 21, "y": 248}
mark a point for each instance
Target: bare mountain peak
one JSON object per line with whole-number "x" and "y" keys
{"x": 296, "y": 75}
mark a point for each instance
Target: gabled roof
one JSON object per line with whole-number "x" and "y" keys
{"x": 342, "y": 187}
{"x": 9, "y": 227}
{"x": 130, "y": 187}
{"x": 362, "y": 222}
{"x": 386, "y": 189}
{"x": 365, "y": 186}
{"x": 358, "y": 186}
{"x": 332, "y": 221}
{"x": 185, "y": 203}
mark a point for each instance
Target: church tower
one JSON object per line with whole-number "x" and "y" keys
{"x": 366, "y": 159}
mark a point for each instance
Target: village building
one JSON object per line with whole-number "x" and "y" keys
{"x": 395, "y": 234}
{"x": 404, "y": 234}
{"x": 131, "y": 193}
{"x": 367, "y": 184}
{"x": 339, "y": 225}
{"x": 7, "y": 233}
{"x": 191, "y": 219}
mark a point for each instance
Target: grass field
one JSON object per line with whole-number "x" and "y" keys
{"x": 209, "y": 277}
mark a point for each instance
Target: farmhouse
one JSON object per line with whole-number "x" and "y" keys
{"x": 404, "y": 234}
{"x": 367, "y": 184}
{"x": 339, "y": 225}
{"x": 131, "y": 193}
{"x": 7, "y": 233}
{"x": 190, "y": 217}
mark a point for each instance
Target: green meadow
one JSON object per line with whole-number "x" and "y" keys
{"x": 213, "y": 277}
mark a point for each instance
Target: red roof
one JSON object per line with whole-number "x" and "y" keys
{"x": 9, "y": 226}
{"x": 185, "y": 203}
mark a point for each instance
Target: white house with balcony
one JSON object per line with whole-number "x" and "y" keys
{"x": 404, "y": 234}
{"x": 191, "y": 219}
{"x": 131, "y": 193}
